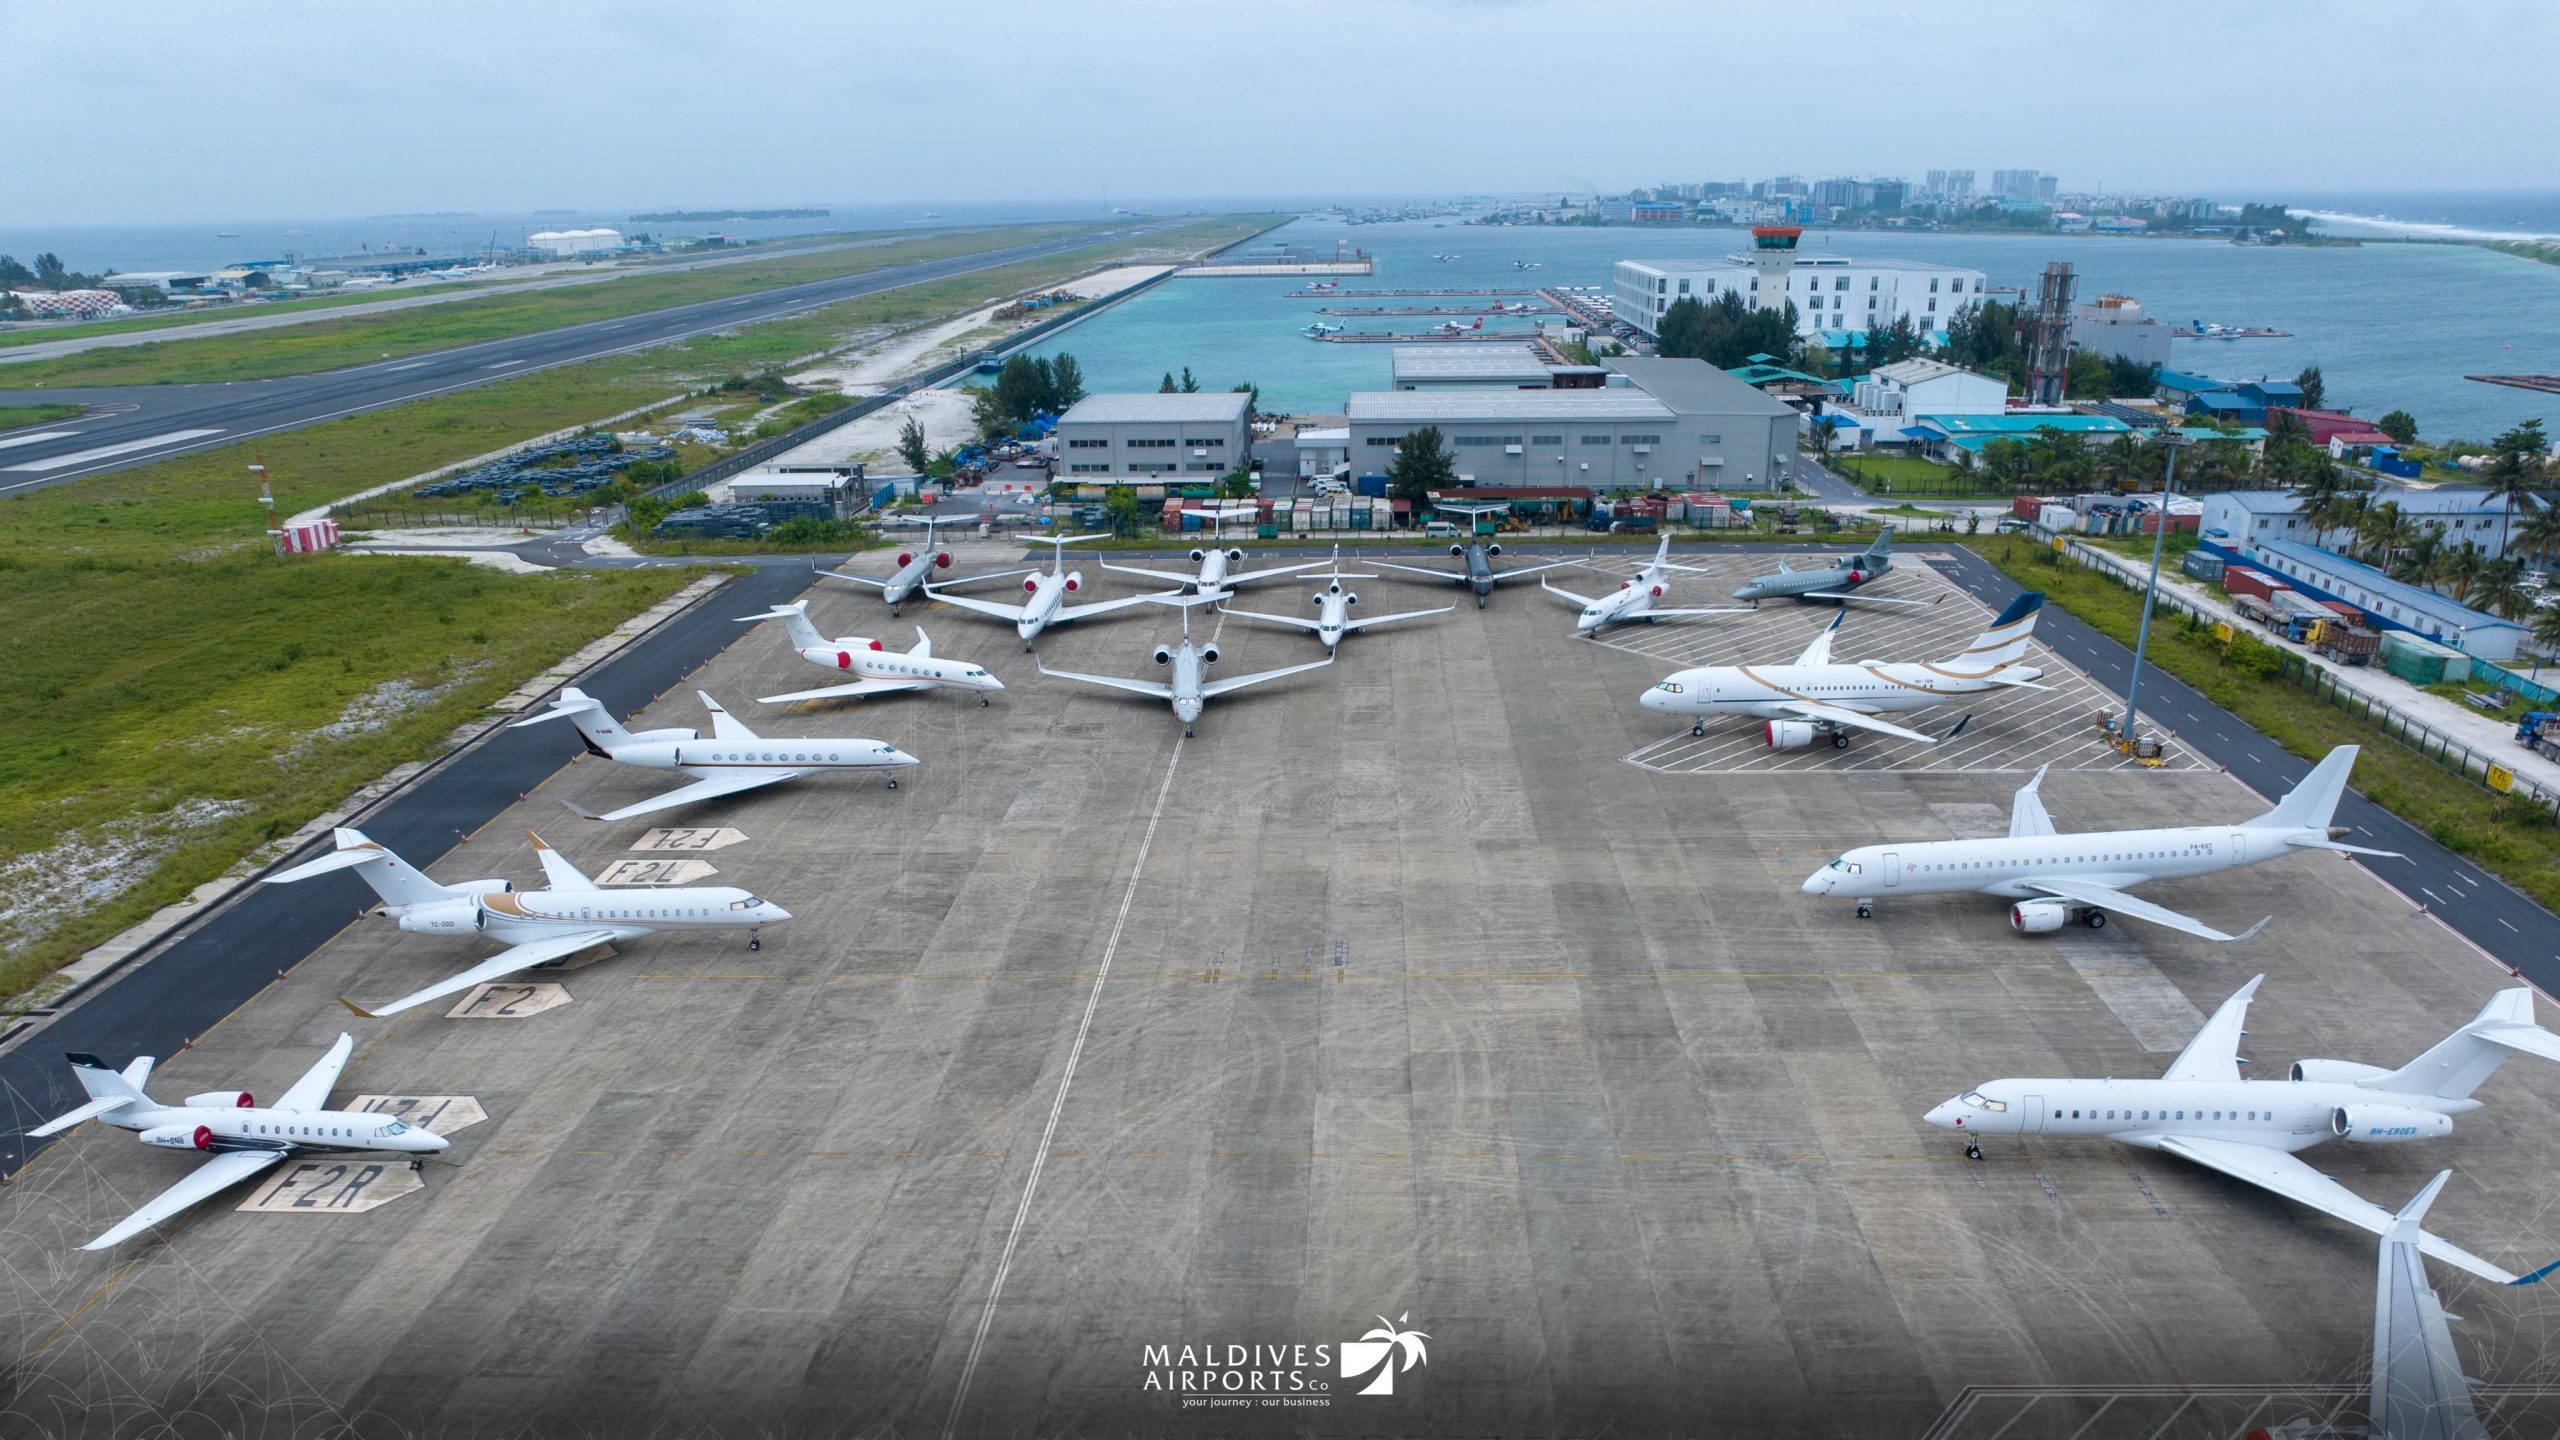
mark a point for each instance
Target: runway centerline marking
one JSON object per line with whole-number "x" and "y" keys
{"x": 1058, "y": 1106}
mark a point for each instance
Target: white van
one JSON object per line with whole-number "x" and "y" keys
{"x": 1440, "y": 530}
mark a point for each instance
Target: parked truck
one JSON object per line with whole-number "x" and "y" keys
{"x": 2347, "y": 644}
{"x": 2540, "y": 733}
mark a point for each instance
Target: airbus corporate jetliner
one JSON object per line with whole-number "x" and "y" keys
{"x": 537, "y": 926}
{"x": 240, "y": 1136}
{"x": 1633, "y": 599}
{"x": 1814, "y": 696}
{"x": 2202, "y": 1111}
{"x": 2057, "y": 878}
{"x": 1044, "y": 595}
{"x": 914, "y": 572}
{"x": 1333, "y": 608}
{"x": 735, "y": 758}
{"x": 883, "y": 671}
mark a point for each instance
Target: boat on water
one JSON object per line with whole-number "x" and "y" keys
{"x": 2207, "y": 330}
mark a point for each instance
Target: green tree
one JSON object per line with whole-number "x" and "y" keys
{"x": 1168, "y": 387}
{"x": 2085, "y": 376}
{"x": 1066, "y": 382}
{"x": 1236, "y": 485}
{"x": 1682, "y": 330}
{"x": 986, "y": 411}
{"x": 2400, "y": 425}
{"x": 1190, "y": 386}
{"x": 1728, "y": 332}
{"x": 1120, "y": 509}
{"x": 911, "y": 444}
{"x": 14, "y": 275}
{"x": 1253, "y": 404}
{"x": 1422, "y": 465}
{"x": 1021, "y": 391}
{"x": 2540, "y": 534}
{"x": 2518, "y": 466}
{"x": 2284, "y": 428}
{"x": 2315, "y": 390}
{"x": 2130, "y": 377}
{"x": 2546, "y": 633}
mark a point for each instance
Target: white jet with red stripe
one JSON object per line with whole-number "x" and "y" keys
{"x": 880, "y": 670}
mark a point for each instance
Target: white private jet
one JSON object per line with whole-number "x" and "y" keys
{"x": 733, "y": 759}
{"x": 1189, "y": 690}
{"x": 2058, "y": 878}
{"x": 1214, "y": 577}
{"x": 914, "y": 572}
{"x": 1815, "y": 696}
{"x": 1044, "y": 595}
{"x": 2202, "y": 1111}
{"x": 1633, "y": 600}
{"x": 537, "y": 926}
{"x": 241, "y": 1136}
{"x": 883, "y": 671}
{"x": 1333, "y": 608}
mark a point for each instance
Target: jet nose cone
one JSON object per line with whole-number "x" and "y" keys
{"x": 433, "y": 1141}
{"x": 901, "y": 757}
{"x": 993, "y": 683}
{"x": 1817, "y": 883}
{"x": 1747, "y": 592}
{"x": 1947, "y": 1116}
{"x": 775, "y": 914}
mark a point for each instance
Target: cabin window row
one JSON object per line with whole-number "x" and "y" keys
{"x": 2177, "y": 1115}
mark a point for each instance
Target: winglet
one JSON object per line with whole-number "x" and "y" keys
{"x": 581, "y": 811}
{"x": 1960, "y": 724}
{"x": 2252, "y": 931}
{"x": 2536, "y": 1275}
{"x": 360, "y": 1010}
{"x": 538, "y": 842}
{"x": 710, "y": 704}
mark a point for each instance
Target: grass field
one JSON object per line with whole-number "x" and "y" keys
{"x": 186, "y": 694}
{"x": 2519, "y": 842}
{"x": 1909, "y": 475}
{"x": 18, "y": 417}
{"x": 330, "y": 344}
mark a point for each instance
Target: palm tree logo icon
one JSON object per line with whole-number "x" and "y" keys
{"x": 1379, "y": 1350}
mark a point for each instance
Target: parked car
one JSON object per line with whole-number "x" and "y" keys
{"x": 1440, "y": 529}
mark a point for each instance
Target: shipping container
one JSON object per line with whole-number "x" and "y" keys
{"x": 2344, "y": 611}
{"x": 2345, "y": 643}
{"x": 2202, "y": 565}
{"x": 2027, "y": 507}
{"x": 2237, "y": 581}
{"x": 1371, "y": 485}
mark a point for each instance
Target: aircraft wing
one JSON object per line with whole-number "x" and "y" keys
{"x": 2027, "y": 815}
{"x": 1457, "y": 575}
{"x": 727, "y": 782}
{"x": 1152, "y": 689}
{"x": 1553, "y": 588}
{"x": 857, "y": 690}
{"x": 984, "y": 607}
{"x": 1220, "y": 687}
{"x": 2289, "y": 1177}
{"x": 990, "y": 575}
{"x": 1099, "y": 607}
{"x": 725, "y": 726}
{"x": 1818, "y": 651}
{"x": 311, "y": 1092}
{"x": 1250, "y": 575}
{"x": 1365, "y": 623}
{"x": 1289, "y": 620}
{"x": 1842, "y": 715}
{"x": 496, "y": 967}
{"x": 853, "y": 579}
{"x": 2215, "y": 1052}
{"x": 2116, "y": 902}
{"x": 1175, "y": 577}
{"x": 1693, "y": 610}
{"x": 1516, "y": 572}
{"x": 209, "y": 1179}
{"x": 1863, "y": 599}
{"x": 557, "y": 868}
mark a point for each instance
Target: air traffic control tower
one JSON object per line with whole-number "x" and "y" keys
{"x": 1773, "y": 255}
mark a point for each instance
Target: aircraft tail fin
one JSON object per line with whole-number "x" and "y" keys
{"x": 794, "y": 618}
{"x": 2311, "y": 804}
{"x": 2463, "y": 1060}
{"x": 107, "y": 1089}
{"x": 1882, "y": 549}
{"x": 596, "y": 725}
{"x": 392, "y": 878}
{"x": 2005, "y": 643}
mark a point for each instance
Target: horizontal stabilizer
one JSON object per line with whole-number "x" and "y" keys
{"x": 90, "y": 1111}
{"x": 2308, "y": 842}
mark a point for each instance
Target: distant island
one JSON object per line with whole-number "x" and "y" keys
{"x": 665, "y": 217}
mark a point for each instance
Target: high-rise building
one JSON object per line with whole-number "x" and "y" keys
{"x": 1936, "y": 182}
{"x": 2016, "y": 184}
{"x": 1959, "y": 185}
{"x": 2047, "y": 187}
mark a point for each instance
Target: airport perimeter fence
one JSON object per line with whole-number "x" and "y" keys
{"x": 412, "y": 517}
{"x": 2459, "y": 756}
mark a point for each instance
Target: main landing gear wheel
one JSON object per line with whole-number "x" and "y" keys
{"x": 1839, "y": 739}
{"x": 982, "y": 699}
{"x": 2096, "y": 920}
{"x": 1866, "y": 911}
{"x": 1698, "y": 730}
{"x": 893, "y": 784}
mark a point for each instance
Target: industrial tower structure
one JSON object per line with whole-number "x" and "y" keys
{"x": 2047, "y": 336}
{"x": 1773, "y": 255}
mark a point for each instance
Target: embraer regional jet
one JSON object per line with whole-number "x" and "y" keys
{"x": 537, "y": 926}
{"x": 733, "y": 759}
{"x": 2058, "y": 878}
{"x": 2202, "y": 1111}
{"x": 1815, "y": 696}
{"x": 240, "y": 1136}
{"x": 882, "y": 671}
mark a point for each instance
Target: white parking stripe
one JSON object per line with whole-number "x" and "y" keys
{"x": 153, "y": 442}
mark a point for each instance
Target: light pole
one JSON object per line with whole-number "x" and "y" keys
{"x": 2173, "y": 442}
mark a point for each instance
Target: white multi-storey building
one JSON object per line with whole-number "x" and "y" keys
{"x": 1830, "y": 292}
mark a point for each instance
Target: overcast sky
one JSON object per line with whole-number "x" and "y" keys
{"x": 178, "y": 111}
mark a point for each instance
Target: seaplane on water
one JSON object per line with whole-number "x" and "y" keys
{"x": 1452, "y": 327}
{"x": 1317, "y": 330}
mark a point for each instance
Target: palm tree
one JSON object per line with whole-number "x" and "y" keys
{"x": 2387, "y": 531}
{"x": 2284, "y": 429}
{"x": 2463, "y": 568}
{"x": 2540, "y": 536}
{"x": 2422, "y": 559}
{"x": 2546, "y": 633}
{"x": 2500, "y": 589}
{"x": 2515, "y": 470}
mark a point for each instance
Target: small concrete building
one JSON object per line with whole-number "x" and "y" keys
{"x": 2114, "y": 326}
{"x": 1659, "y": 425}
{"x": 2237, "y": 519}
{"x": 1831, "y": 293}
{"x": 574, "y": 242}
{"x": 1194, "y": 437}
{"x": 1473, "y": 367}
{"x": 2392, "y": 604}
{"x": 1896, "y": 395}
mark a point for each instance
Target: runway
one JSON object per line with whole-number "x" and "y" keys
{"x": 138, "y": 424}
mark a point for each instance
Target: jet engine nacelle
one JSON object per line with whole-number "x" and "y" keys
{"x": 443, "y": 917}
{"x": 1198, "y": 555}
{"x": 1235, "y": 557}
{"x": 2386, "y": 1124}
{"x": 1493, "y": 549}
{"x": 221, "y": 1100}
{"x": 1790, "y": 734}
{"x": 2038, "y": 917}
{"x": 1164, "y": 654}
{"x": 1350, "y": 599}
{"x": 1208, "y": 654}
{"x": 1657, "y": 592}
{"x": 1457, "y": 549}
{"x": 941, "y": 559}
{"x": 2335, "y": 1072}
{"x": 1075, "y": 581}
{"x": 1031, "y": 586}
{"x": 180, "y": 1137}
{"x": 906, "y": 558}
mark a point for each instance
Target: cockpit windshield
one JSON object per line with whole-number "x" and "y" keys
{"x": 1980, "y": 1101}
{"x": 1847, "y": 867}
{"x": 396, "y": 1127}
{"x": 1668, "y": 687}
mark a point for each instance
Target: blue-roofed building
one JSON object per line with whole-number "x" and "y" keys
{"x": 1951, "y": 438}
{"x": 2264, "y": 393}
{"x": 2226, "y": 407}
{"x": 2391, "y": 604}
{"x": 2175, "y": 386}
{"x": 2241, "y": 518}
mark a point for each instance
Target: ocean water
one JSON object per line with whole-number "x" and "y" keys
{"x": 2438, "y": 214}
{"x": 2392, "y": 326}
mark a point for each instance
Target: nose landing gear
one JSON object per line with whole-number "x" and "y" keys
{"x": 1866, "y": 910}
{"x": 755, "y": 941}
{"x": 1972, "y": 1148}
